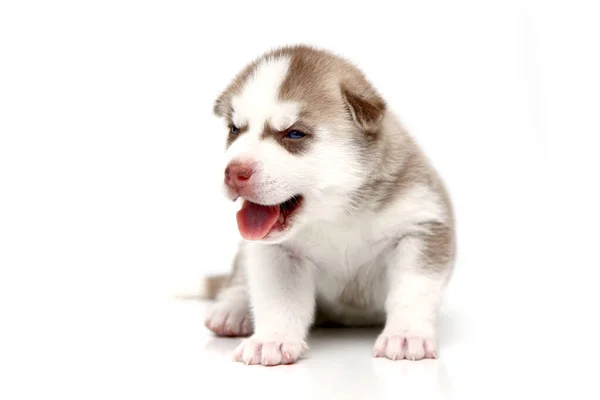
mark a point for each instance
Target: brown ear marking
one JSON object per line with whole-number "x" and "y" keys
{"x": 367, "y": 109}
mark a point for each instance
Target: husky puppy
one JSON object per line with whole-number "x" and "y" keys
{"x": 343, "y": 218}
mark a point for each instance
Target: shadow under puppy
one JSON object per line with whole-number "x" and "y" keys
{"x": 341, "y": 214}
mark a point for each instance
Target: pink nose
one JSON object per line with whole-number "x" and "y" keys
{"x": 237, "y": 175}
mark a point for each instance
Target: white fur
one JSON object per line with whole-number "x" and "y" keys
{"x": 274, "y": 275}
{"x": 412, "y": 303}
{"x": 258, "y": 101}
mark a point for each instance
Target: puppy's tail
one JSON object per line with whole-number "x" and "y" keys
{"x": 208, "y": 289}
{"x": 212, "y": 285}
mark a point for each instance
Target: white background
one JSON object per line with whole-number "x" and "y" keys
{"x": 110, "y": 199}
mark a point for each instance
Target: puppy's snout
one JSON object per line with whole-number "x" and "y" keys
{"x": 237, "y": 175}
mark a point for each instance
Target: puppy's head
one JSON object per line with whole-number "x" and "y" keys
{"x": 300, "y": 124}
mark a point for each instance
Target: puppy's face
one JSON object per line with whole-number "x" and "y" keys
{"x": 295, "y": 146}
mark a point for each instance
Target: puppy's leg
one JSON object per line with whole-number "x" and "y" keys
{"x": 282, "y": 295}
{"x": 418, "y": 273}
{"x": 230, "y": 314}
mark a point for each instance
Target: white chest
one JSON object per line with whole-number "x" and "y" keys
{"x": 351, "y": 270}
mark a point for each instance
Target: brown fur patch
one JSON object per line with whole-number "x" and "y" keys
{"x": 398, "y": 165}
{"x": 313, "y": 80}
{"x": 438, "y": 246}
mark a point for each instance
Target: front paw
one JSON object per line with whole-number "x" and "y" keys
{"x": 270, "y": 350}
{"x": 404, "y": 346}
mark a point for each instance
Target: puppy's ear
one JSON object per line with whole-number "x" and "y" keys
{"x": 366, "y": 106}
{"x": 220, "y": 106}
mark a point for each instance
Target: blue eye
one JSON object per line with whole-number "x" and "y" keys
{"x": 234, "y": 130}
{"x": 295, "y": 135}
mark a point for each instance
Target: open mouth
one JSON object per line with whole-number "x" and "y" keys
{"x": 257, "y": 221}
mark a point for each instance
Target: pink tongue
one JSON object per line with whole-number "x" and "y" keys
{"x": 255, "y": 221}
